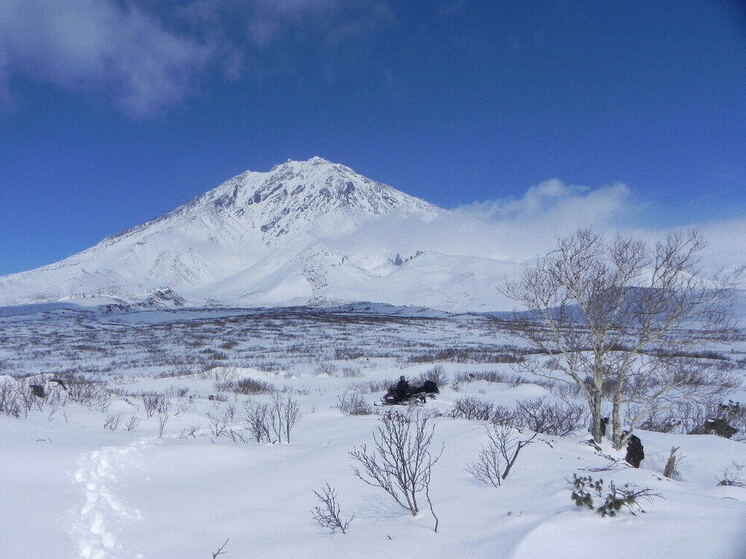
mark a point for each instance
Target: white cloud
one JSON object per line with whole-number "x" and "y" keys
{"x": 98, "y": 45}
{"x": 513, "y": 229}
{"x": 145, "y": 55}
{"x": 520, "y": 229}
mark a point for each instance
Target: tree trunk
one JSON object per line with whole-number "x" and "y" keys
{"x": 598, "y": 430}
{"x": 616, "y": 420}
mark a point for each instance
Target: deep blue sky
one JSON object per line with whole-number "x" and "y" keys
{"x": 113, "y": 112}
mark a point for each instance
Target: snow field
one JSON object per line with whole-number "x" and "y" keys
{"x": 77, "y": 490}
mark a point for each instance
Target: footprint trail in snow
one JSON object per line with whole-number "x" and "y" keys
{"x": 94, "y": 533}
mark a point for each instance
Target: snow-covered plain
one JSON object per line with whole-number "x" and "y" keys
{"x": 75, "y": 489}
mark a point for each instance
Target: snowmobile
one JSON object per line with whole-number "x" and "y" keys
{"x": 414, "y": 394}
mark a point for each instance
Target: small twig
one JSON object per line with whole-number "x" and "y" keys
{"x": 220, "y": 551}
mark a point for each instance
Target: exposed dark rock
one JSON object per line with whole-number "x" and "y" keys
{"x": 719, "y": 427}
{"x": 635, "y": 451}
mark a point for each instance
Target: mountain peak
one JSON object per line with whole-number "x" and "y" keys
{"x": 294, "y": 194}
{"x": 239, "y": 234}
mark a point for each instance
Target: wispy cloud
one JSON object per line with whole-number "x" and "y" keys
{"x": 519, "y": 229}
{"x": 145, "y": 56}
{"x": 98, "y": 45}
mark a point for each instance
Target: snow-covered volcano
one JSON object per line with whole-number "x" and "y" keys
{"x": 260, "y": 238}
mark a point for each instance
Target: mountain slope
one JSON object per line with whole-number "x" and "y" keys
{"x": 258, "y": 239}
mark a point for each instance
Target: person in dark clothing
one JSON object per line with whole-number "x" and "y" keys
{"x": 635, "y": 452}
{"x": 402, "y": 388}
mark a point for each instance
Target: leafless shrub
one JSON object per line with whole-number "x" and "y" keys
{"x": 465, "y": 355}
{"x": 245, "y": 386}
{"x": 154, "y": 403}
{"x": 189, "y": 432}
{"x": 218, "y": 424}
{"x": 85, "y": 391}
{"x": 328, "y": 513}
{"x": 180, "y": 371}
{"x": 10, "y": 401}
{"x": 498, "y": 456}
{"x": 132, "y": 424}
{"x": 503, "y": 415}
{"x": 473, "y": 409}
{"x": 689, "y": 417}
{"x": 236, "y": 435}
{"x": 734, "y": 414}
{"x": 400, "y": 462}
{"x": 551, "y": 418}
{"x": 350, "y": 372}
{"x": 733, "y": 475}
{"x": 257, "y": 420}
{"x": 348, "y": 353}
{"x": 112, "y": 421}
{"x": 436, "y": 374}
{"x": 283, "y": 415}
{"x": 375, "y": 386}
{"x": 353, "y": 403}
{"x": 328, "y": 369}
{"x": 488, "y": 376}
{"x": 162, "y": 420}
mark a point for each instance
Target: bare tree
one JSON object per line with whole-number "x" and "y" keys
{"x": 283, "y": 415}
{"x": 400, "y": 461}
{"x": 498, "y": 457}
{"x": 328, "y": 513}
{"x": 612, "y": 315}
{"x": 257, "y": 420}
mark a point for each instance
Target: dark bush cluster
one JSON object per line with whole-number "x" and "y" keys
{"x": 466, "y": 355}
{"x": 246, "y": 386}
{"x": 536, "y": 415}
{"x": 353, "y": 403}
{"x": 435, "y": 374}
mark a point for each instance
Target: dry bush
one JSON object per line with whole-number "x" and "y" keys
{"x": 154, "y": 403}
{"x": 491, "y": 376}
{"x": 350, "y": 372}
{"x": 551, "y": 418}
{"x": 132, "y": 424}
{"x": 473, "y": 409}
{"x": 10, "y": 399}
{"x": 400, "y": 462}
{"x": 348, "y": 353}
{"x": 328, "y": 513}
{"x": 112, "y": 421}
{"x": 328, "y": 369}
{"x": 256, "y": 418}
{"x": 375, "y": 386}
{"x": 85, "y": 391}
{"x": 353, "y": 403}
{"x": 283, "y": 415}
{"x": 435, "y": 374}
{"x": 162, "y": 420}
{"x": 245, "y": 386}
{"x": 180, "y": 371}
{"x": 464, "y": 355}
{"x": 733, "y": 476}
{"x": 498, "y": 456}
